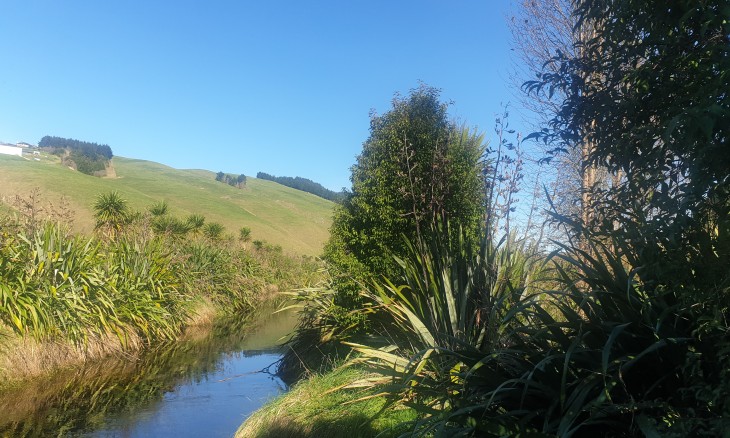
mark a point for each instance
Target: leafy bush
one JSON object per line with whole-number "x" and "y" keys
{"x": 416, "y": 168}
{"x": 85, "y": 164}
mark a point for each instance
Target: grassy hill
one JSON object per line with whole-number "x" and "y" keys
{"x": 296, "y": 220}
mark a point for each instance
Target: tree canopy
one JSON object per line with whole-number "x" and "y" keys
{"x": 416, "y": 168}
{"x": 650, "y": 91}
{"x": 92, "y": 150}
{"x": 86, "y": 157}
{"x": 303, "y": 184}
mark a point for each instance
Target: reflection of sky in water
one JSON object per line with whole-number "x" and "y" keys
{"x": 213, "y": 405}
{"x": 203, "y": 386}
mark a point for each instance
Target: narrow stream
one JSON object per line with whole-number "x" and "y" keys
{"x": 202, "y": 387}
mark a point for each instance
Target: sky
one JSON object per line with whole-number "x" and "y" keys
{"x": 282, "y": 87}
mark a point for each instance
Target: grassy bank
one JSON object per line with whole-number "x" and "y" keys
{"x": 24, "y": 357}
{"x": 509, "y": 342}
{"x": 318, "y": 407}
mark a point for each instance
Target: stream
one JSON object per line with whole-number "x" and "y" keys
{"x": 204, "y": 386}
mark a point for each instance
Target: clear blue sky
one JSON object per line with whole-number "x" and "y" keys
{"x": 283, "y": 87}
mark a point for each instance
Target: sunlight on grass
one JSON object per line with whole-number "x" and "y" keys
{"x": 296, "y": 220}
{"x": 316, "y": 408}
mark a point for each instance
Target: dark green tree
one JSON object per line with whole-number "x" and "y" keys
{"x": 651, "y": 93}
{"x": 417, "y": 168}
{"x": 303, "y": 184}
{"x": 92, "y": 151}
{"x": 85, "y": 157}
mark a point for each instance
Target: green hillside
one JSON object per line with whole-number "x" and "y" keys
{"x": 296, "y": 220}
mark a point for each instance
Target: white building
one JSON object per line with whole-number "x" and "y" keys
{"x": 10, "y": 149}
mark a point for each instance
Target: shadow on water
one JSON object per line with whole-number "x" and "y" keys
{"x": 194, "y": 385}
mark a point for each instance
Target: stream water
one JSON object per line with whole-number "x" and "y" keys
{"x": 205, "y": 386}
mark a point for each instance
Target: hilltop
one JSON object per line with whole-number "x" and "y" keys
{"x": 279, "y": 215}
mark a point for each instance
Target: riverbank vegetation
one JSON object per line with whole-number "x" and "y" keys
{"x": 318, "y": 407}
{"x": 619, "y": 326}
{"x": 140, "y": 280}
{"x": 100, "y": 394}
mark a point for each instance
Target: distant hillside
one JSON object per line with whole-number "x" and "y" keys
{"x": 305, "y": 185}
{"x": 297, "y": 221}
{"x": 86, "y": 157}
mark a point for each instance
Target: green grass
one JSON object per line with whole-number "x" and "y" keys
{"x": 296, "y": 220}
{"x": 317, "y": 408}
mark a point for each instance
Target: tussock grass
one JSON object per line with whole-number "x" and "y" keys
{"x": 24, "y": 357}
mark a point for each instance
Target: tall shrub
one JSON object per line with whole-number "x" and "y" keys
{"x": 416, "y": 167}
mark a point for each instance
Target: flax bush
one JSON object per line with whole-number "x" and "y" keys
{"x": 615, "y": 354}
{"x": 55, "y": 285}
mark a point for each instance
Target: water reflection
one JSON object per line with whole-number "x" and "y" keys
{"x": 201, "y": 387}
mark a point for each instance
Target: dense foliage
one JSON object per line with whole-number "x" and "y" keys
{"x": 91, "y": 150}
{"x": 478, "y": 349}
{"x": 138, "y": 279}
{"x": 622, "y": 332}
{"x": 60, "y": 286}
{"x": 630, "y": 336}
{"x": 303, "y": 184}
{"x": 416, "y": 168}
{"x": 86, "y": 157}
{"x": 232, "y": 180}
{"x": 649, "y": 94}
